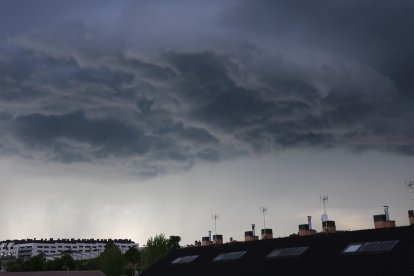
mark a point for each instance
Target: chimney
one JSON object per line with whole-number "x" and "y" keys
{"x": 267, "y": 234}
{"x": 411, "y": 217}
{"x": 209, "y": 235}
{"x": 306, "y": 229}
{"x": 249, "y": 236}
{"x": 205, "y": 241}
{"x": 310, "y": 222}
{"x": 217, "y": 239}
{"x": 383, "y": 221}
{"x": 254, "y": 229}
{"x": 329, "y": 226}
{"x": 387, "y": 215}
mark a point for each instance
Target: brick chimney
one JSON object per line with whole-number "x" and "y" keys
{"x": 249, "y": 236}
{"x": 267, "y": 234}
{"x": 306, "y": 229}
{"x": 329, "y": 226}
{"x": 383, "y": 220}
{"x": 205, "y": 241}
{"x": 411, "y": 216}
{"x": 217, "y": 239}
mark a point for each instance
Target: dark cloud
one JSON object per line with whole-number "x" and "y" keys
{"x": 264, "y": 76}
{"x": 375, "y": 32}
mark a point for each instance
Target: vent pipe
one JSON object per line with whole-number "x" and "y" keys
{"x": 310, "y": 222}
{"x": 254, "y": 229}
{"x": 387, "y": 215}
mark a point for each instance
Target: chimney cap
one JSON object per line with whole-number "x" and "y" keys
{"x": 248, "y": 234}
{"x": 328, "y": 223}
{"x": 267, "y": 231}
{"x": 381, "y": 217}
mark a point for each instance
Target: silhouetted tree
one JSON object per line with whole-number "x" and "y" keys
{"x": 157, "y": 248}
{"x": 174, "y": 242}
{"x": 133, "y": 257}
{"x": 62, "y": 263}
{"x": 111, "y": 261}
{"x": 36, "y": 263}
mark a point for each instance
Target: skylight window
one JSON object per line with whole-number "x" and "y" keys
{"x": 352, "y": 248}
{"x": 275, "y": 253}
{"x": 370, "y": 247}
{"x": 185, "y": 259}
{"x": 229, "y": 256}
{"x": 386, "y": 246}
{"x": 287, "y": 252}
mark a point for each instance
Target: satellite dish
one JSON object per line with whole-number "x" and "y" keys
{"x": 324, "y": 217}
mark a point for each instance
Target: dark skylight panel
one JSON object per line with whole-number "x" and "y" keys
{"x": 369, "y": 246}
{"x": 185, "y": 259}
{"x": 287, "y": 252}
{"x": 386, "y": 246}
{"x": 229, "y": 256}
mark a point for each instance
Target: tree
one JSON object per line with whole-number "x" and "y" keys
{"x": 157, "y": 248}
{"x": 133, "y": 257}
{"x": 14, "y": 265}
{"x": 111, "y": 261}
{"x": 36, "y": 263}
{"x": 174, "y": 242}
{"x": 65, "y": 262}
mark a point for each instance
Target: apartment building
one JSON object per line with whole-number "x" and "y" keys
{"x": 79, "y": 249}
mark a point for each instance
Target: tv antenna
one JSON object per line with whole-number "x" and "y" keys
{"x": 215, "y": 218}
{"x": 410, "y": 186}
{"x": 324, "y": 199}
{"x": 263, "y": 211}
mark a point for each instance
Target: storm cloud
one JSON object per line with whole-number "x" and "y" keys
{"x": 158, "y": 87}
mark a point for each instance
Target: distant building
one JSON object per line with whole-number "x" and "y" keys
{"x": 79, "y": 249}
{"x": 55, "y": 273}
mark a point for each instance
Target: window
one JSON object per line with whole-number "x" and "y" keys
{"x": 185, "y": 259}
{"x": 352, "y": 248}
{"x": 230, "y": 256}
{"x": 287, "y": 252}
{"x": 370, "y": 247}
{"x": 386, "y": 246}
{"x": 274, "y": 253}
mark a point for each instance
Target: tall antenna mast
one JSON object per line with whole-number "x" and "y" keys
{"x": 324, "y": 199}
{"x": 263, "y": 210}
{"x": 215, "y": 217}
{"x": 410, "y": 186}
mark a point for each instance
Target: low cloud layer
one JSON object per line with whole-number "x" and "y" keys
{"x": 146, "y": 84}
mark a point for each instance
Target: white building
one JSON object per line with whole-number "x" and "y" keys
{"x": 79, "y": 249}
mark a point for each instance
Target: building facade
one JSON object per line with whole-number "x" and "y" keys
{"x": 79, "y": 249}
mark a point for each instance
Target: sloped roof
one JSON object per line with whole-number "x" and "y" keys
{"x": 319, "y": 254}
{"x": 55, "y": 273}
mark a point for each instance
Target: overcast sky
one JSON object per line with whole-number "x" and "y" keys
{"x": 125, "y": 119}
